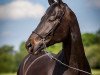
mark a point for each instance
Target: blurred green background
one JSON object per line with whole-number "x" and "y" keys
{"x": 18, "y": 18}
{"x": 10, "y": 59}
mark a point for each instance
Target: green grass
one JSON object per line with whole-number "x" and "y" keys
{"x": 8, "y": 74}
{"x": 94, "y": 72}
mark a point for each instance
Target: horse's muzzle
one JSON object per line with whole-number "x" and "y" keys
{"x": 34, "y": 49}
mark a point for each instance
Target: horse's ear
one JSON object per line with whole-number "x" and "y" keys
{"x": 59, "y": 1}
{"x": 51, "y": 2}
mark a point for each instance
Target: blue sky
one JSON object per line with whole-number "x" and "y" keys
{"x": 18, "y": 18}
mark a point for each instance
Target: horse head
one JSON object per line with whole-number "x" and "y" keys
{"x": 52, "y": 27}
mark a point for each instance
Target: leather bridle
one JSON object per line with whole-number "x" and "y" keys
{"x": 53, "y": 28}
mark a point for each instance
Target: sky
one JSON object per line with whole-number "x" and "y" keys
{"x": 18, "y": 18}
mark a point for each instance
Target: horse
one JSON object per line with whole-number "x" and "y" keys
{"x": 59, "y": 24}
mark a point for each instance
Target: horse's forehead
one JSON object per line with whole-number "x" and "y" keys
{"x": 52, "y": 8}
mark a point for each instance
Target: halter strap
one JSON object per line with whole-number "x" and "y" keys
{"x": 38, "y": 34}
{"x": 53, "y": 28}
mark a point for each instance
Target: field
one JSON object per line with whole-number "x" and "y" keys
{"x": 8, "y": 74}
{"x": 94, "y": 72}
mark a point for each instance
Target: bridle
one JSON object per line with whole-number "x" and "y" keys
{"x": 53, "y": 28}
{"x": 43, "y": 38}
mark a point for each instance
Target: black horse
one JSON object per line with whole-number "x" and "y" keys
{"x": 59, "y": 24}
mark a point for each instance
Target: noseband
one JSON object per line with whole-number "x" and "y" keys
{"x": 53, "y": 28}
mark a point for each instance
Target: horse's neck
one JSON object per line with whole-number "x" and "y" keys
{"x": 74, "y": 51}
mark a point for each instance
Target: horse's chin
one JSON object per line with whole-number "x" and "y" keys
{"x": 37, "y": 50}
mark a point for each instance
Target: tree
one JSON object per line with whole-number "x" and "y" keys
{"x": 6, "y": 59}
{"x": 98, "y": 32}
{"x": 92, "y": 48}
{"x": 20, "y": 55}
{"x": 90, "y": 39}
{"x": 93, "y": 55}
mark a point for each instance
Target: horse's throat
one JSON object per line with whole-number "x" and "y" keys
{"x": 59, "y": 67}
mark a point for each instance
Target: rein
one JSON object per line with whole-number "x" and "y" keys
{"x": 51, "y": 57}
{"x": 25, "y": 72}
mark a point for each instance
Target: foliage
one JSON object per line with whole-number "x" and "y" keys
{"x": 55, "y": 48}
{"x": 93, "y": 55}
{"x": 92, "y": 48}
{"x": 6, "y": 59}
{"x": 8, "y": 74}
{"x": 90, "y": 39}
{"x": 96, "y": 71}
{"x": 20, "y": 55}
{"x": 9, "y": 59}
{"x": 98, "y": 32}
